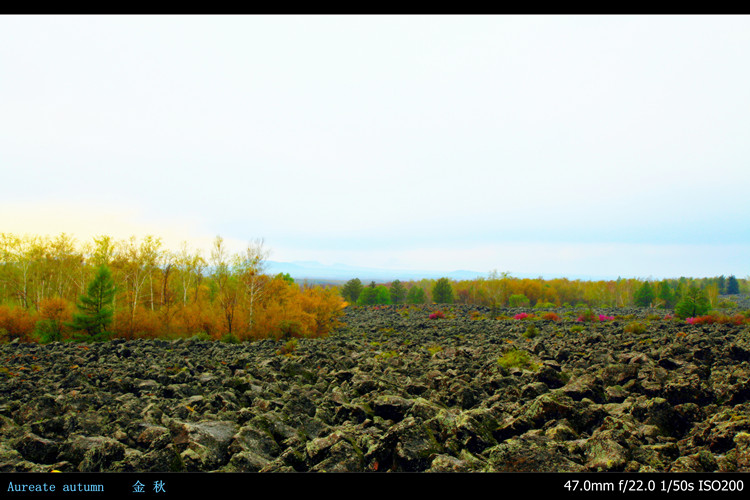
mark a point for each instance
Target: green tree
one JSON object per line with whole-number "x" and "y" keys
{"x": 351, "y": 290}
{"x": 398, "y": 292}
{"x": 644, "y": 296}
{"x": 95, "y": 307}
{"x": 733, "y": 286}
{"x": 519, "y": 300}
{"x": 368, "y": 297}
{"x": 442, "y": 293}
{"x": 694, "y": 302}
{"x": 416, "y": 295}
{"x": 666, "y": 293}
{"x": 721, "y": 281}
{"x": 383, "y": 295}
{"x": 286, "y": 277}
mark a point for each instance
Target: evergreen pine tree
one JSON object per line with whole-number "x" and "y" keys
{"x": 351, "y": 290}
{"x": 694, "y": 302}
{"x": 398, "y": 292}
{"x": 95, "y": 307}
{"x": 721, "y": 281}
{"x": 733, "y": 286}
{"x": 644, "y": 296}
{"x": 442, "y": 293}
{"x": 416, "y": 295}
{"x": 666, "y": 294}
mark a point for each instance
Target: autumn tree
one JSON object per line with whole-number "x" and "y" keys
{"x": 251, "y": 268}
{"x": 95, "y": 308}
{"x": 54, "y": 314}
{"x": 226, "y": 283}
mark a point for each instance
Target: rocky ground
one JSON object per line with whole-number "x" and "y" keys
{"x": 391, "y": 391}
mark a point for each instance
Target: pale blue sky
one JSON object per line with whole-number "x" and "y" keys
{"x": 601, "y": 146}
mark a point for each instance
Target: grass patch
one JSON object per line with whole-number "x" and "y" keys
{"x": 516, "y": 358}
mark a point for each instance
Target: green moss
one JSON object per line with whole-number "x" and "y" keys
{"x": 635, "y": 327}
{"x": 434, "y": 349}
{"x": 388, "y": 355}
{"x": 176, "y": 465}
{"x": 531, "y": 332}
{"x": 516, "y": 358}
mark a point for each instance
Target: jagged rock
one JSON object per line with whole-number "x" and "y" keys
{"x": 37, "y": 449}
{"x": 204, "y": 444}
{"x": 391, "y": 391}
{"x": 531, "y": 453}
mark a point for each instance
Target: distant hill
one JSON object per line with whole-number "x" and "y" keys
{"x": 315, "y": 271}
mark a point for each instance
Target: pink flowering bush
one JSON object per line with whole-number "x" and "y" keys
{"x": 708, "y": 319}
{"x": 586, "y": 317}
{"x": 701, "y": 320}
{"x": 603, "y": 317}
{"x": 437, "y": 315}
{"x": 523, "y": 316}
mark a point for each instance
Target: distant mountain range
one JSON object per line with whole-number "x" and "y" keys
{"x": 309, "y": 270}
{"x": 317, "y": 272}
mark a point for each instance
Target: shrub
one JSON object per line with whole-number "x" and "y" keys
{"x": 635, "y": 327}
{"x": 437, "y": 315}
{"x": 230, "y": 338}
{"x": 288, "y": 348}
{"x": 53, "y": 314}
{"x": 518, "y": 300}
{"x": 16, "y": 323}
{"x": 550, "y": 316}
{"x": 476, "y": 315}
{"x": 523, "y": 316}
{"x": 544, "y": 305}
{"x": 576, "y": 329}
{"x": 603, "y": 317}
{"x": 515, "y": 358}
{"x": 434, "y": 349}
{"x": 290, "y": 328}
{"x": 531, "y": 332}
{"x": 587, "y": 317}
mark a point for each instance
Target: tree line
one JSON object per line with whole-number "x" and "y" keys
{"x": 142, "y": 289}
{"x": 503, "y": 290}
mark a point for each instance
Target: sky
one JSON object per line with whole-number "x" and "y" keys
{"x": 598, "y": 146}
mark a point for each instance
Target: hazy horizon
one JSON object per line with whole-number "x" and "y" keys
{"x": 547, "y": 145}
